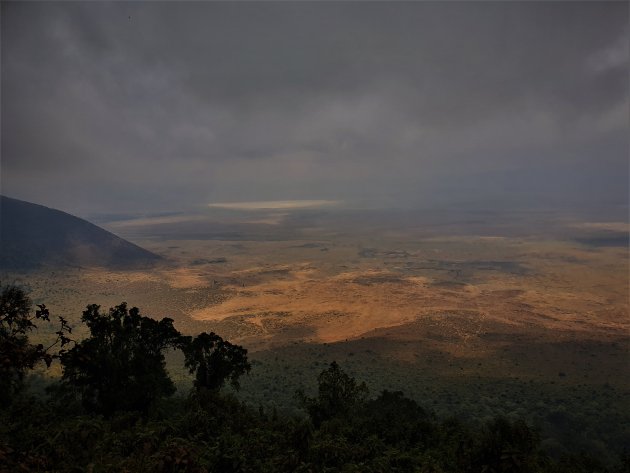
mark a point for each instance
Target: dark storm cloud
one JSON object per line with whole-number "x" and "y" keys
{"x": 110, "y": 106}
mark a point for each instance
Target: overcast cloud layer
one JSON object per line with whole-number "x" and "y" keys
{"x": 118, "y": 107}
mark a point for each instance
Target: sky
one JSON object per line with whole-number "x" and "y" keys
{"x": 122, "y": 107}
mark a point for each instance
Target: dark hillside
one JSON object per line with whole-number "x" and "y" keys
{"x": 32, "y": 235}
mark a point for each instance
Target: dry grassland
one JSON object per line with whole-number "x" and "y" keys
{"x": 465, "y": 296}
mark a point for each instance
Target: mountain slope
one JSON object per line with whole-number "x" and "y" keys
{"x": 32, "y": 235}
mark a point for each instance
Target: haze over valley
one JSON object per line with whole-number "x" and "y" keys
{"x": 464, "y": 297}
{"x": 430, "y": 197}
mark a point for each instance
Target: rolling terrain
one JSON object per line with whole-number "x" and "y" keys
{"x": 523, "y": 315}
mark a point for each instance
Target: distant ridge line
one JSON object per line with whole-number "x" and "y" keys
{"x": 33, "y": 235}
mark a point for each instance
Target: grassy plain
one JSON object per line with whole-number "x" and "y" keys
{"x": 472, "y": 314}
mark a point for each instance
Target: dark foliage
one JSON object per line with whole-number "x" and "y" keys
{"x": 17, "y": 354}
{"x": 213, "y": 361}
{"x": 121, "y": 366}
{"x": 338, "y": 395}
{"x": 119, "y": 370}
{"x": 397, "y": 419}
{"x": 506, "y": 446}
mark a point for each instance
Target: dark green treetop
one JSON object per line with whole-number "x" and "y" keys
{"x": 214, "y": 361}
{"x": 17, "y": 353}
{"x": 338, "y": 395}
{"x": 121, "y": 366}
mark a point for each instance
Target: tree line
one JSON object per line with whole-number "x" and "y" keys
{"x": 113, "y": 410}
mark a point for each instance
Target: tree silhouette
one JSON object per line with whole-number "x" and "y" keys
{"x": 17, "y": 354}
{"x": 121, "y": 366}
{"x": 214, "y": 361}
{"x": 338, "y": 395}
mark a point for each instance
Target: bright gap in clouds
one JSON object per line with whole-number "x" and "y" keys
{"x": 274, "y": 204}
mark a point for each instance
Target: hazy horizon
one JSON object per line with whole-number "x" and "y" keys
{"x": 142, "y": 108}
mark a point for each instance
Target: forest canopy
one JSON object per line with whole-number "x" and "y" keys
{"x": 113, "y": 410}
